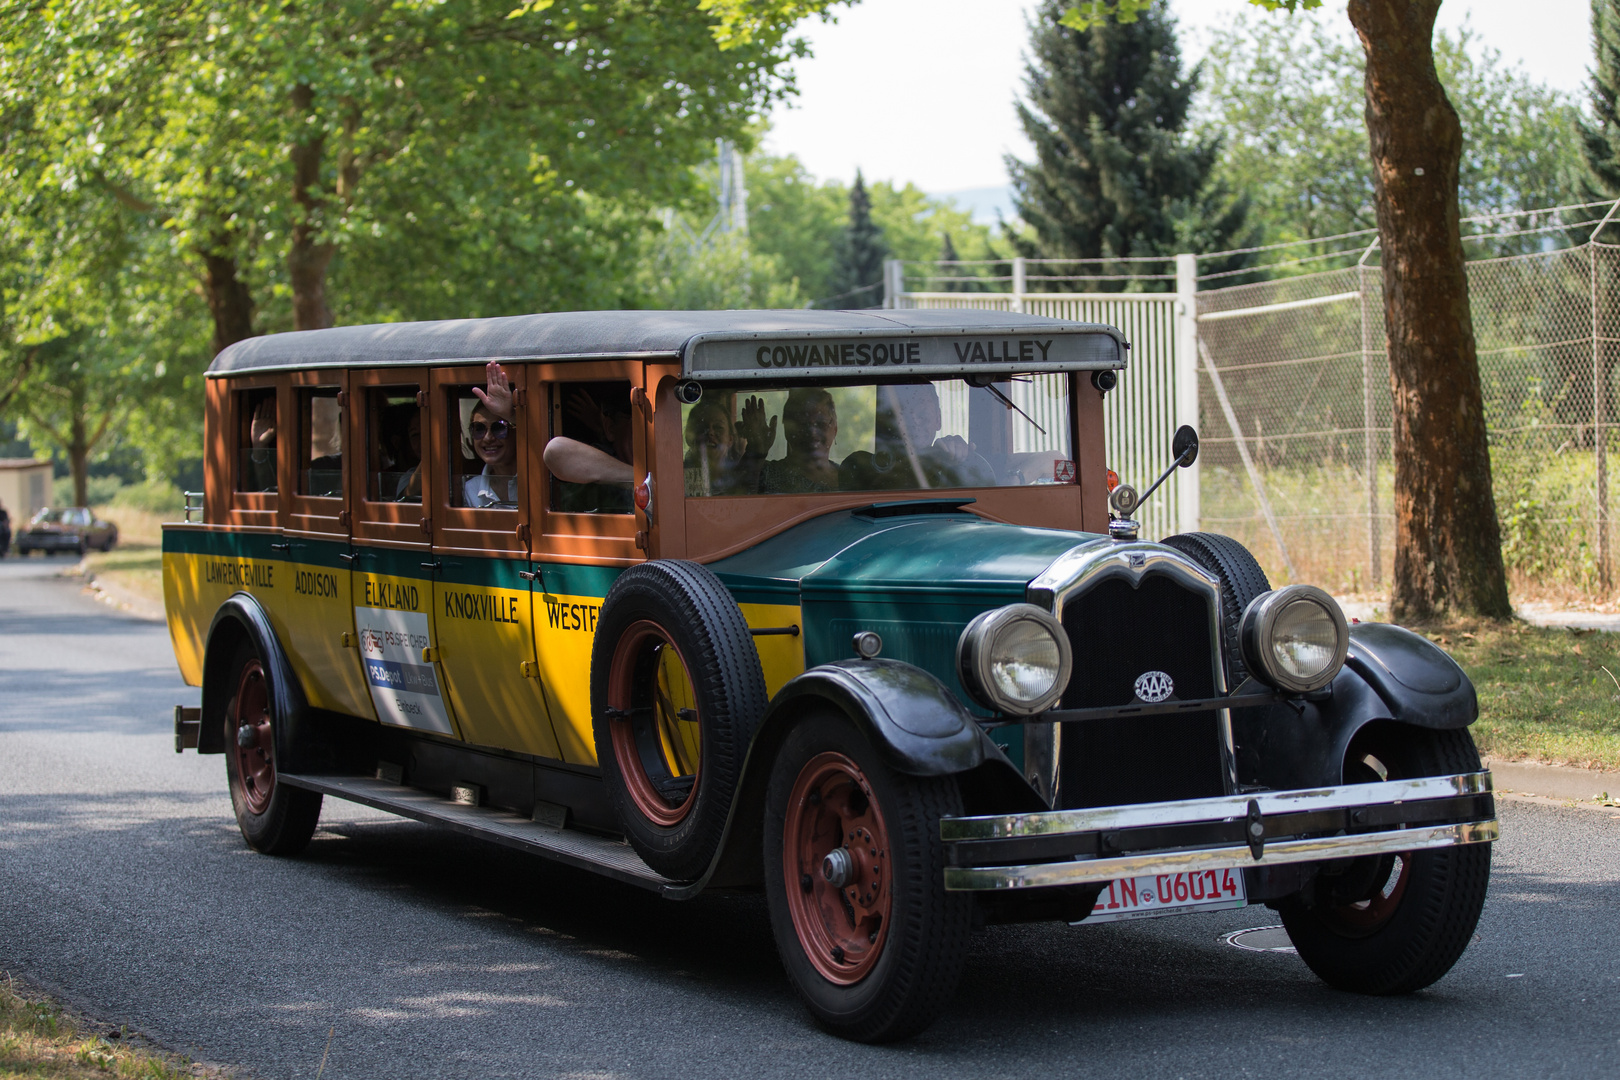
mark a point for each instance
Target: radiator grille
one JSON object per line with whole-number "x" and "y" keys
{"x": 1118, "y": 632}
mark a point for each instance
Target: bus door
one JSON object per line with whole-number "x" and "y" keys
{"x": 482, "y": 612}
{"x": 313, "y": 596}
{"x": 391, "y": 600}
{"x": 587, "y": 532}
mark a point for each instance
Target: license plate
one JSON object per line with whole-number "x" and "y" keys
{"x": 1169, "y": 894}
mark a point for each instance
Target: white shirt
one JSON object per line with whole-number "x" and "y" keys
{"x": 482, "y": 490}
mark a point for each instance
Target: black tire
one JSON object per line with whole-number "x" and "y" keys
{"x": 1241, "y": 581}
{"x": 275, "y": 818}
{"x": 668, "y": 631}
{"x": 911, "y": 961}
{"x": 1394, "y": 924}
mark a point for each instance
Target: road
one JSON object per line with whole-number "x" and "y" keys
{"x": 125, "y": 887}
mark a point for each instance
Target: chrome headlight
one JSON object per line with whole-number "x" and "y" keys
{"x": 1014, "y": 659}
{"x": 1294, "y": 638}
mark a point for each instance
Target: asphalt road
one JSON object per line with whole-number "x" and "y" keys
{"x": 125, "y": 887}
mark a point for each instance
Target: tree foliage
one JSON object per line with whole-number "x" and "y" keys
{"x": 1286, "y": 96}
{"x": 1599, "y": 176}
{"x": 1115, "y": 174}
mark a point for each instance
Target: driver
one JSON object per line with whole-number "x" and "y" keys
{"x": 906, "y": 453}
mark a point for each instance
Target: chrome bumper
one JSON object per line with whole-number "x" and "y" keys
{"x": 1272, "y": 828}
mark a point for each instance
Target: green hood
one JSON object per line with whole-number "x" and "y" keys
{"x": 914, "y": 578}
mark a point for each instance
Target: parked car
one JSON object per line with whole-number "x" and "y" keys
{"x": 67, "y": 528}
{"x": 828, "y": 605}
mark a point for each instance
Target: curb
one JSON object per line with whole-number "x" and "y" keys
{"x": 1552, "y": 781}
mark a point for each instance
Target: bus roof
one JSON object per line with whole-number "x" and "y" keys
{"x": 584, "y": 335}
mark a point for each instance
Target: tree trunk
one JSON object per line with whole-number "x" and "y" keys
{"x": 307, "y": 257}
{"x": 1448, "y": 551}
{"x": 230, "y": 301}
{"x": 78, "y": 447}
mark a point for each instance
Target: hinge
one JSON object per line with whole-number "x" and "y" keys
{"x": 529, "y": 668}
{"x": 348, "y": 640}
{"x": 638, "y": 398}
{"x": 641, "y": 539}
{"x": 342, "y": 398}
{"x": 421, "y": 399}
{"x": 520, "y": 396}
{"x": 429, "y": 655}
{"x": 427, "y": 526}
{"x": 343, "y": 518}
{"x": 522, "y": 532}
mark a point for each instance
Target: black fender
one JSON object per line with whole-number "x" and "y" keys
{"x": 241, "y": 617}
{"x": 917, "y": 725}
{"x": 1390, "y": 673}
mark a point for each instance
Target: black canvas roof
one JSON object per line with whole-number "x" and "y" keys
{"x": 587, "y": 334}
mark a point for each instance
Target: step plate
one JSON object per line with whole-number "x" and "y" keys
{"x": 583, "y": 851}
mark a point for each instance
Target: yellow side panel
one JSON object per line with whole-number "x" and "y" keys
{"x": 485, "y": 642}
{"x": 564, "y": 629}
{"x": 189, "y": 612}
{"x": 781, "y": 655}
{"x": 316, "y": 613}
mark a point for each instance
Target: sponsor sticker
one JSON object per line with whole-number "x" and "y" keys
{"x": 404, "y": 689}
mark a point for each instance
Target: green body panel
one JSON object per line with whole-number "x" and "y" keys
{"x": 915, "y": 580}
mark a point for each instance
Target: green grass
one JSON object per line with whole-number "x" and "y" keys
{"x": 1544, "y": 694}
{"x": 38, "y": 1040}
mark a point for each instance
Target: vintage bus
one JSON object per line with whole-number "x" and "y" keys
{"x": 839, "y": 606}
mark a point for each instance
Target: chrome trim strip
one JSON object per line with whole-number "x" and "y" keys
{"x": 1277, "y": 853}
{"x": 1221, "y": 808}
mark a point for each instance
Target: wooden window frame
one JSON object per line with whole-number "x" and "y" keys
{"x": 388, "y": 524}
{"x": 258, "y": 509}
{"x": 597, "y": 539}
{"x": 313, "y": 515}
{"x": 470, "y": 530}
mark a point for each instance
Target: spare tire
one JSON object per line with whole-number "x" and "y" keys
{"x": 676, "y": 693}
{"x": 1241, "y": 581}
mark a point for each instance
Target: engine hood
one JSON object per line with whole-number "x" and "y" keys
{"x": 896, "y": 555}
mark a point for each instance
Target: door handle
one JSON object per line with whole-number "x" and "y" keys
{"x": 433, "y": 565}
{"x": 347, "y": 556}
{"x": 529, "y": 575}
{"x": 281, "y": 547}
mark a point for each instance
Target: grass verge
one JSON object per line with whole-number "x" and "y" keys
{"x": 39, "y": 1040}
{"x": 135, "y": 566}
{"x": 1545, "y": 694}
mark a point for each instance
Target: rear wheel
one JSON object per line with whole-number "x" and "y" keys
{"x": 275, "y": 818}
{"x": 1393, "y": 924}
{"x": 853, "y": 880}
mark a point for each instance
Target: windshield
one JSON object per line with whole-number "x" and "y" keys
{"x": 926, "y": 436}
{"x": 66, "y": 516}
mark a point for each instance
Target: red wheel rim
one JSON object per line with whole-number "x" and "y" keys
{"x": 1365, "y": 916}
{"x": 255, "y": 762}
{"x": 842, "y": 921}
{"x": 656, "y": 721}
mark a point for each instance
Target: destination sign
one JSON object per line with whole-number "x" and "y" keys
{"x": 813, "y": 356}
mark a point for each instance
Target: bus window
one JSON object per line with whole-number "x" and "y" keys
{"x": 483, "y": 455}
{"x": 256, "y": 440}
{"x": 394, "y": 472}
{"x": 589, "y": 452}
{"x": 320, "y": 447}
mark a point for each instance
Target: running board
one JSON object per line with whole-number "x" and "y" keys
{"x": 583, "y": 851}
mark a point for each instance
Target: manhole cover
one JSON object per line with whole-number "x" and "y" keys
{"x": 1267, "y": 939}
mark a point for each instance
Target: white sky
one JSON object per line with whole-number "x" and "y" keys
{"x": 922, "y": 90}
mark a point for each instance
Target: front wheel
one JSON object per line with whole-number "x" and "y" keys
{"x": 854, "y": 871}
{"x": 1394, "y": 924}
{"x": 275, "y": 818}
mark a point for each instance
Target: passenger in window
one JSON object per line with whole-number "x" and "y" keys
{"x": 810, "y": 422}
{"x": 721, "y": 456}
{"x": 906, "y": 453}
{"x": 259, "y": 461}
{"x": 324, "y": 419}
{"x": 596, "y": 475}
{"x": 400, "y": 479}
{"x": 493, "y": 437}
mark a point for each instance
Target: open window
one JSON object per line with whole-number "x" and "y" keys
{"x": 392, "y": 477}
{"x": 482, "y": 457}
{"x": 597, "y": 416}
{"x": 256, "y": 429}
{"x": 317, "y": 502}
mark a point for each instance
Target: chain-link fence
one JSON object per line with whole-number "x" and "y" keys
{"x": 1293, "y": 401}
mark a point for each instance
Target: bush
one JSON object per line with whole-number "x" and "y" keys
{"x": 153, "y": 497}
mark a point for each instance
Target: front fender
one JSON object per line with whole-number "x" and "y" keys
{"x": 242, "y": 618}
{"x": 1389, "y": 674}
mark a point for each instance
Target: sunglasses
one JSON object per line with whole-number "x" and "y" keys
{"x": 500, "y": 429}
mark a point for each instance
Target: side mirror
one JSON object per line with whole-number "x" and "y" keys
{"x": 1185, "y": 445}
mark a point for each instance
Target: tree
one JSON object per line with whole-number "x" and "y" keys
{"x": 1600, "y": 136}
{"x": 1114, "y": 174}
{"x": 276, "y": 139}
{"x": 1287, "y": 98}
{"x": 1448, "y": 550}
{"x": 858, "y": 274}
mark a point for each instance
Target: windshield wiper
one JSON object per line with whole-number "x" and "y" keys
{"x": 1007, "y": 401}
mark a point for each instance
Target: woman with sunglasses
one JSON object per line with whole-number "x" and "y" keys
{"x": 494, "y": 439}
